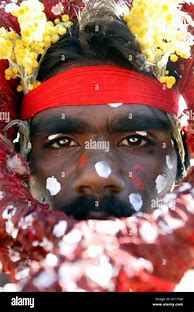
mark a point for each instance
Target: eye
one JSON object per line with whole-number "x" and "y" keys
{"x": 135, "y": 140}
{"x": 61, "y": 142}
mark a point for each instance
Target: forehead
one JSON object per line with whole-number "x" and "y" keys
{"x": 102, "y": 114}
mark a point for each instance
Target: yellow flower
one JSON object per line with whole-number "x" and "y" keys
{"x": 162, "y": 30}
{"x": 57, "y": 21}
{"x": 6, "y": 48}
{"x": 165, "y": 7}
{"x": 169, "y": 18}
{"x": 12, "y": 35}
{"x": 54, "y": 38}
{"x": 19, "y": 88}
{"x": 65, "y": 18}
{"x": 171, "y": 80}
{"x": 174, "y": 58}
{"x": 162, "y": 79}
{"x": 8, "y": 73}
{"x": 62, "y": 31}
{"x": 24, "y": 51}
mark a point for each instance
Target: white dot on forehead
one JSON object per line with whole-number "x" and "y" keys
{"x": 136, "y": 201}
{"x": 114, "y": 105}
{"x": 160, "y": 183}
{"x": 103, "y": 169}
{"x": 169, "y": 161}
{"x": 53, "y": 186}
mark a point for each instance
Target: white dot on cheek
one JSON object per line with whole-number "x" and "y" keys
{"x": 160, "y": 183}
{"x": 169, "y": 162}
{"x": 53, "y": 186}
{"x": 103, "y": 169}
{"x": 136, "y": 201}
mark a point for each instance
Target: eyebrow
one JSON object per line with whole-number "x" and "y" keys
{"x": 139, "y": 122}
{"x": 54, "y": 125}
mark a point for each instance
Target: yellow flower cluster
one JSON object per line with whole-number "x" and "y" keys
{"x": 161, "y": 29}
{"x": 25, "y": 51}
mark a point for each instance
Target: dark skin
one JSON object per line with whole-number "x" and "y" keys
{"x": 134, "y": 160}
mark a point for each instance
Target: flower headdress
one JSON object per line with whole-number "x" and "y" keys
{"x": 25, "y": 51}
{"x": 161, "y": 29}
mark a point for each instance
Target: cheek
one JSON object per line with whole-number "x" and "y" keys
{"x": 83, "y": 161}
{"x": 154, "y": 175}
{"x": 138, "y": 177}
{"x": 165, "y": 181}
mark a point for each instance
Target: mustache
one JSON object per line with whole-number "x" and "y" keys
{"x": 84, "y": 208}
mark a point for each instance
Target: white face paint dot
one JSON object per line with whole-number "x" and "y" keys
{"x": 115, "y": 105}
{"x": 54, "y": 136}
{"x": 160, "y": 183}
{"x": 103, "y": 169}
{"x": 143, "y": 133}
{"x": 136, "y": 201}
{"x": 169, "y": 162}
{"x": 53, "y": 186}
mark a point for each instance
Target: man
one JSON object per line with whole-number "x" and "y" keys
{"x": 113, "y": 159}
{"x": 103, "y": 69}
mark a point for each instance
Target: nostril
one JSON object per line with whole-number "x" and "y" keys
{"x": 86, "y": 190}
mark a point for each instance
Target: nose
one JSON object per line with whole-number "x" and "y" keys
{"x": 98, "y": 178}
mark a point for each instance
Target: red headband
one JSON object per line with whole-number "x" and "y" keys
{"x": 92, "y": 85}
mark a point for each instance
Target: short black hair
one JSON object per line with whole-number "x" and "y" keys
{"x": 102, "y": 40}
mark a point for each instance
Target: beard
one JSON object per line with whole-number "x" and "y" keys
{"x": 84, "y": 208}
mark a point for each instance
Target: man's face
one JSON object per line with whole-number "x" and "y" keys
{"x": 100, "y": 161}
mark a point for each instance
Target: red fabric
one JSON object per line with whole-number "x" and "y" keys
{"x": 91, "y": 85}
